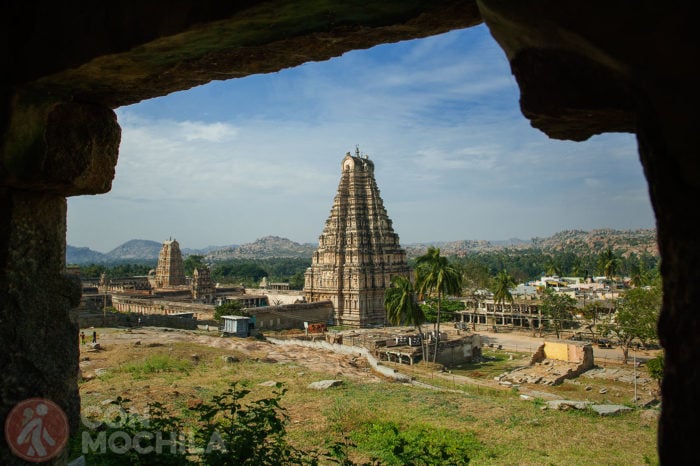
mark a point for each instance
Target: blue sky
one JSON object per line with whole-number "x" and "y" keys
{"x": 232, "y": 161}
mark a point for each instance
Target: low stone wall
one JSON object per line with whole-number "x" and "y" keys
{"x": 291, "y": 316}
{"x": 163, "y": 307}
{"x": 573, "y": 359}
{"x": 119, "y": 319}
{"x": 580, "y": 353}
{"x": 458, "y": 351}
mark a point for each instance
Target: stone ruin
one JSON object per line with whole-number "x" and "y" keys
{"x": 552, "y": 363}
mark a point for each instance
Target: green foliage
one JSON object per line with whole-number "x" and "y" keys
{"x": 191, "y": 262}
{"x": 437, "y": 277}
{"x": 608, "y": 263}
{"x": 246, "y": 272}
{"x": 233, "y": 429}
{"x": 501, "y": 287}
{"x": 116, "y": 271}
{"x": 400, "y": 303}
{"x": 233, "y": 308}
{"x": 636, "y": 318}
{"x": 296, "y": 281}
{"x": 419, "y": 444}
{"x": 232, "y": 433}
{"x": 557, "y": 308}
{"x": 130, "y": 438}
{"x": 655, "y": 367}
{"x": 250, "y": 272}
{"x": 475, "y": 275}
{"x": 157, "y": 363}
{"x": 448, "y": 306}
{"x": 530, "y": 264}
{"x": 224, "y": 431}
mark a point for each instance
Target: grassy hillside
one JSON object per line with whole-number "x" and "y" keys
{"x": 372, "y": 417}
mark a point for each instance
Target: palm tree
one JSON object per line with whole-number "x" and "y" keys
{"x": 608, "y": 263}
{"x": 435, "y": 275}
{"x": 402, "y": 306}
{"x": 400, "y": 303}
{"x": 501, "y": 288}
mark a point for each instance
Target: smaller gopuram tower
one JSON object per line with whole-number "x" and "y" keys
{"x": 202, "y": 286}
{"x": 358, "y": 252}
{"x": 170, "y": 271}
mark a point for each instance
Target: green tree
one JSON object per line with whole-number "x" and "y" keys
{"x": 553, "y": 267}
{"x": 655, "y": 367}
{"x": 636, "y": 318}
{"x": 296, "y": 281}
{"x": 608, "y": 263}
{"x": 402, "y": 306}
{"x": 592, "y": 311}
{"x": 557, "y": 308}
{"x": 231, "y": 308}
{"x": 193, "y": 261}
{"x": 436, "y": 276}
{"x": 475, "y": 275}
{"x": 92, "y": 270}
{"x": 502, "y": 285}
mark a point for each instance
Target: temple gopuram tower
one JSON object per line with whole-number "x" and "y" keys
{"x": 170, "y": 271}
{"x": 358, "y": 252}
{"x": 202, "y": 287}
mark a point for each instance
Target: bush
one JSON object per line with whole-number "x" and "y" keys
{"x": 419, "y": 444}
{"x": 655, "y": 367}
{"x": 157, "y": 363}
{"x": 225, "y": 431}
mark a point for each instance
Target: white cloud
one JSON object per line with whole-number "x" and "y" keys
{"x": 214, "y": 132}
{"x": 454, "y": 157}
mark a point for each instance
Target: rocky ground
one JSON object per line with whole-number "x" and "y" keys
{"x": 315, "y": 359}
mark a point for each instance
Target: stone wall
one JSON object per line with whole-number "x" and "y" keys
{"x": 458, "y": 351}
{"x": 119, "y": 319}
{"x": 148, "y": 306}
{"x": 291, "y": 315}
{"x": 579, "y": 353}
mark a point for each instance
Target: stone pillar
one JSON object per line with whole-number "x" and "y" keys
{"x": 49, "y": 151}
{"x": 668, "y": 145}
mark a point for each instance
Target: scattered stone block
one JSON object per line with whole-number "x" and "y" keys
{"x": 324, "y": 384}
{"x": 609, "y": 410}
{"x": 563, "y": 405}
{"x": 269, "y": 383}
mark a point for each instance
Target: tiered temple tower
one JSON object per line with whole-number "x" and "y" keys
{"x": 358, "y": 252}
{"x": 202, "y": 286}
{"x": 170, "y": 271}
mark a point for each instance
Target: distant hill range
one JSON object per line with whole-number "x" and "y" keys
{"x": 624, "y": 242}
{"x": 263, "y": 248}
{"x": 135, "y": 250}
